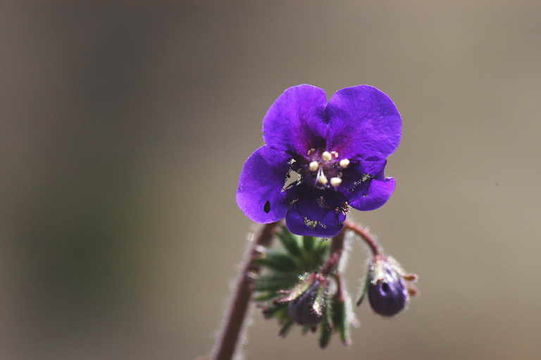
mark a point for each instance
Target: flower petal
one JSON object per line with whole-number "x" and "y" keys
{"x": 359, "y": 173}
{"x": 259, "y": 194}
{"x": 308, "y": 217}
{"x": 364, "y": 121}
{"x": 295, "y": 121}
{"x": 374, "y": 196}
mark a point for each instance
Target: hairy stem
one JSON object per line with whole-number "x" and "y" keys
{"x": 229, "y": 336}
{"x": 375, "y": 248}
{"x": 337, "y": 248}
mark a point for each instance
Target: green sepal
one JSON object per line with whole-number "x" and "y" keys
{"x": 277, "y": 260}
{"x": 340, "y": 319}
{"x": 308, "y": 243}
{"x": 266, "y": 296}
{"x": 284, "y": 330}
{"x": 315, "y": 256}
{"x": 321, "y": 301}
{"x": 275, "y": 282}
{"x": 276, "y": 310}
{"x": 302, "y": 285}
{"x": 363, "y": 291}
{"x": 321, "y": 250}
{"x": 326, "y": 328}
{"x": 291, "y": 242}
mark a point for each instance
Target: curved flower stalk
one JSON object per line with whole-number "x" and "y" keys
{"x": 320, "y": 158}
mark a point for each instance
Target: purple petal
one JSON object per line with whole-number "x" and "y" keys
{"x": 364, "y": 121}
{"x": 352, "y": 178}
{"x": 311, "y": 218}
{"x": 373, "y": 166}
{"x": 295, "y": 121}
{"x": 374, "y": 196}
{"x": 259, "y": 194}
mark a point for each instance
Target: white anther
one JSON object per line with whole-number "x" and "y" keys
{"x": 344, "y": 163}
{"x": 311, "y": 151}
{"x": 334, "y": 154}
{"x": 326, "y": 156}
{"x": 313, "y": 166}
{"x": 336, "y": 181}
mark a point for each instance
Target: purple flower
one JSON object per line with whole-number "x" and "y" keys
{"x": 320, "y": 158}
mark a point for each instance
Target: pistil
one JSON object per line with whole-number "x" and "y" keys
{"x": 321, "y": 178}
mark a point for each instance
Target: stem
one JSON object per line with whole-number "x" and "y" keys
{"x": 228, "y": 338}
{"x": 337, "y": 248}
{"x": 339, "y": 287}
{"x": 366, "y": 236}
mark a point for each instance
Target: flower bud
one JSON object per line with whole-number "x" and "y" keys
{"x": 306, "y": 309}
{"x": 387, "y": 290}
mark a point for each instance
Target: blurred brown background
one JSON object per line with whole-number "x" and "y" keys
{"x": 124, "y": 125}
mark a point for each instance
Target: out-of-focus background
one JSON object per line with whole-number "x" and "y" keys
{"x": 124, "y": 125}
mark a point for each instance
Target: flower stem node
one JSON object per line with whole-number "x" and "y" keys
{"x": 387, "y": 288}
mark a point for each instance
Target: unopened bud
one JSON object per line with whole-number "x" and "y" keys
{"x": 387, "y": 290}
{"x": 306, "y": 309}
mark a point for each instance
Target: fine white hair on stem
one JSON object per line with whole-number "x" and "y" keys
{"x": 233, "y": 283}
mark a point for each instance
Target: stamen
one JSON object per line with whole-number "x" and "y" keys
{"x": 344, "y": 163}
{"x": 313, "y": 166}
{"x": 326, "y": 156}
{"x": 334, "y": 154}
{"x": 336, "y": 181}
{"x": 311, "y": 151}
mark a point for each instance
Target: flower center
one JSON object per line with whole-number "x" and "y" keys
{"x": 324, "y": 168}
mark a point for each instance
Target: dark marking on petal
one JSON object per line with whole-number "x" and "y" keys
{"x": 267, "y": 207}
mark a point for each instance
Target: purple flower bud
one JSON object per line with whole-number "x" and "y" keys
{"x": 306, "y": 309}
{"x": 387, "y": 291}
